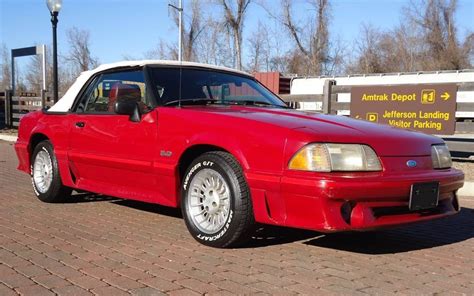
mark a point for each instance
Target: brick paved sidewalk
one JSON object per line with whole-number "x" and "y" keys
{"x": 105, "y": 246}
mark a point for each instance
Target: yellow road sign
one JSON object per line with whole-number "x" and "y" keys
{"x": 428, "y": 96}
{"x": 445, "y": 96}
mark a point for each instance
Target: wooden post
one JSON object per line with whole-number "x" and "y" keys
{"x": 2, "y": 112}
{"x": 327, "y": 92}
{"x": 43, "y": 99}
{"x": 8, "y": 108}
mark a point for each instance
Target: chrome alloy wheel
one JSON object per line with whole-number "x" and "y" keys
{"x": 208, "y": 201}
{"x": 42, "y": 171}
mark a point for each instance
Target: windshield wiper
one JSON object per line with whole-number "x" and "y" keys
{"x": 252, "y": 103}
{"x": 205, "y": 101}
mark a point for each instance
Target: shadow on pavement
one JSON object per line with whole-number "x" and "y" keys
{"x": 267, "y": 235}
{"x": 149, "y": 207}
{"x": 142, "y": 206}
{"x": 88, "y": 197}
{"x": 462, "y": 156}
{"x": 403, "y": 239}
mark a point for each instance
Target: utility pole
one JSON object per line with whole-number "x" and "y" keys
{"x": 180, "y": 28}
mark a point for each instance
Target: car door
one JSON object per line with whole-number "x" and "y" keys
{"x": 108, "y": 153}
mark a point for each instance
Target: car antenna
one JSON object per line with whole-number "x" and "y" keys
{"x": 179, "y": 8}
{"x": 180, "y": 45}
{"x": 180, "y": 79}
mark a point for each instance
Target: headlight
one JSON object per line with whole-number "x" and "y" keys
{"x": 335, "y": 157}
{"x": 441, "y": 157}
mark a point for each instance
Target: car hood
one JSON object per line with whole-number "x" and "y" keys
{"x": 386, "y": 140}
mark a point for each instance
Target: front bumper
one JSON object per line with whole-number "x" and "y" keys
{"x": 363, "y": 202}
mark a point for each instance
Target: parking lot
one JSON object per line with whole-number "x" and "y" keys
{"x": 106, "y": 246}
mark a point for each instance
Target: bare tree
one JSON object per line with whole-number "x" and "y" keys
{"x": 312, "y": 53}
{"x": 213, "y": 46}
{"x": 234, "y": 20}
{"x": 204, "y": 39}
{"x": 66, "y": 73}
{"x": 370, "y": 57}
{"x": 385, "y": 51}
{"x": 436, "y": 23}
{"x": 468, "y": 48}
{"x": 425, "y": 40}
{"x": 34, "y": 75}
{"x": 337, "y": 53}
{"x": 192, "y": 28}
{"x": 79, "y": 54}
{"x": 164, "y": 51}
{"x": 259, "y": 50}
{"x": 6, "y": 72}
{"x": 320, "y": 40}
{"x": 5, "y": 81}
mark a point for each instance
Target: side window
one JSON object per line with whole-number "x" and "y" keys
{"x": 166, "y": 84}
{"x": 108, "y": 88}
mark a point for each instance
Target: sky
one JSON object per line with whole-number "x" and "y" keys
{"x": 131, "y": 28}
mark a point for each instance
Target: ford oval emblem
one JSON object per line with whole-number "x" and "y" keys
{"x": 411, "y": 163}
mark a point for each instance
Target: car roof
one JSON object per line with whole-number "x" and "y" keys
{"x": 164, "y": 63}
{"x": 66, "y": 101}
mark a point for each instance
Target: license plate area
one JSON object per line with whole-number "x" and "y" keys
{"x": 424, "y": 196}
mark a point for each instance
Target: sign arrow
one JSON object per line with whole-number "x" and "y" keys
{"x": 445, "y": 96}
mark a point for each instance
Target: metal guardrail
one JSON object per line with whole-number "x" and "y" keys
{"x": 461, "y": 145}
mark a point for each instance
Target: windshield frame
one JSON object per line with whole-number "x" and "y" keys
{"x": 160, "y": 103}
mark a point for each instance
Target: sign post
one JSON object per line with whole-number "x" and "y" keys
{"x": 429, "y": 108}
{"x": 29, "y": 51}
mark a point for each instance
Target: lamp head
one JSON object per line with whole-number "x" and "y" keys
{"x": 54, "y": 5}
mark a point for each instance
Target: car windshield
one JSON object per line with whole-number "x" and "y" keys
{"x": 189, "y": 86}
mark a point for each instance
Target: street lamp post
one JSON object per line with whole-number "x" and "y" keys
{"x": 54, "y": 7}
{"x": 180, "y": 28}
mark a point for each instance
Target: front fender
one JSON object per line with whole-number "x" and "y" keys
{"x": 227, "y": 143}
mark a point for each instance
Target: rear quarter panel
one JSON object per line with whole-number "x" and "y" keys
{"x": 53, "y": 126}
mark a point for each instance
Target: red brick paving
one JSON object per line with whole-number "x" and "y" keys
{"x": 97, "y": 245}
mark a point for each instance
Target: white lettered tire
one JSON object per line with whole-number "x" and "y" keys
{"x": 215, "y": 201}
{"x": 45, "y": 176}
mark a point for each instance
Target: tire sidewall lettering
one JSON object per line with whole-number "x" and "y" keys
{"x": 194, "y": 169}
{"x": 221, "y": 233}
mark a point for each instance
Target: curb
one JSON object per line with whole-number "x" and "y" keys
{"x": 8, "y": 138}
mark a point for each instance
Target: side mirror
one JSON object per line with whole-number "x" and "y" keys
{"x": 293, "y": 105}
{"x": 128, "y": 107}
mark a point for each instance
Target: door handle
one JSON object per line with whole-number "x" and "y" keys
{"x": 80, "y": 124}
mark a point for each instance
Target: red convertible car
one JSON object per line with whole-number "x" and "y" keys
{"x": 227, "y": 151}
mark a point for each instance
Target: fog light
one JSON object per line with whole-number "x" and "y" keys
{"x": 456, "y": 202}
{"x": 346, "y": 211}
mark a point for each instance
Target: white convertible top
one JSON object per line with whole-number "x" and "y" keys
{"x": 66, "y": 101}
